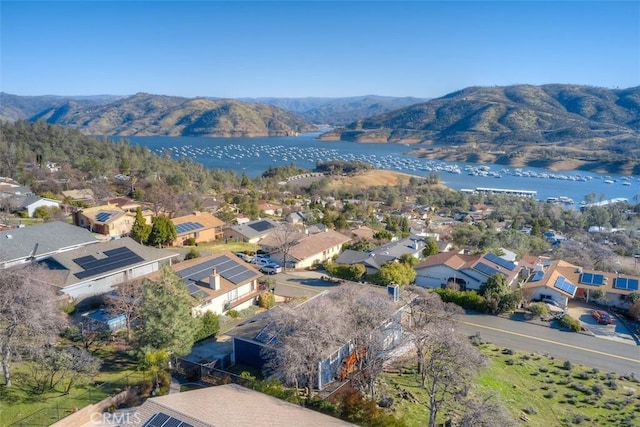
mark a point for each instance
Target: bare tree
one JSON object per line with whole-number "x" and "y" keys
{"x": 449, "y": 364}
{"x": 297, "y": 339}
{"x": 366, "y": 316}
{"x": 424, "y": 309}
{"x": 353, "y": 316}
{"x": 286, "y": 237}
{"x": 485, "y": 411}
{"x": 126, "y": 300}
{"x": 29, "y": 314}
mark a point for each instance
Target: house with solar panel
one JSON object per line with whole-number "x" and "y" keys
{"x": 108, "y": 220}
{"x": 201, "y": 226}
{"x": 36, "y": 242}
{"x": 95, "y": 270}
{"x": 251, "y": 232}
{"x": 305, "y": 250}
{"x": 464, "y": 272}
{"x": 220, "y": 282}
{"x": 561, "y": 281}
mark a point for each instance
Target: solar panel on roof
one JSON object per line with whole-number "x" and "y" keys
{"x": 231, "y": 270}
{"x": 485, "y": 269}
{"x": 500, "y": 261}
{"x": 591, "y": 279}
{"x": 103, "y": 216}
{"x": 565, "y": 285}
{"x": 539, "y": 275}
{"x": 625, "y": 283}
{"x": 164, "y": 420}
{"x": 188, "y": 226}
{"x": 115, "y": 259}
{"x": 261, "y": 226}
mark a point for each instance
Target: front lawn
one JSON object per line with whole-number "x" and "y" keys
{"x": 537, "y": 390}
{"x": 18, "y": 402}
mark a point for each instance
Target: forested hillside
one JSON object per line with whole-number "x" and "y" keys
{"x": 87, "y": 158}
{"x": 144, "y": 114}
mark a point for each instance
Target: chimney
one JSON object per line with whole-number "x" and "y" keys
{"x": 214, "y": 280}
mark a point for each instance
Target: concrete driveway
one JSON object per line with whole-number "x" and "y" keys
{"x": 618, "y": 331}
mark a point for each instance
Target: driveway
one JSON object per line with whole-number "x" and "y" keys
{"x": 618, "y": 331}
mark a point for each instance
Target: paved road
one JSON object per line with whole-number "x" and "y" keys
{"x": 609, "y": 356}
{"x": 606, "y": 355}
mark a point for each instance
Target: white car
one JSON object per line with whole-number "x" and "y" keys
{"x": 260, "y": 261}
{"x": 244, "y": 257}
{"x": 271, "y": 269}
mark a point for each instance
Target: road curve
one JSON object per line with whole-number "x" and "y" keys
{"x": 606, "y": 355}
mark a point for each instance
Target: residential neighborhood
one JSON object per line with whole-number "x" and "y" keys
{"x": 325, "y": 292}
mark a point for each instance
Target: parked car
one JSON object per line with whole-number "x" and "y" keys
{"x": 244, "y": 257}
{"x": 602, "y": 317}
{"x": 260, "y": 261}
{"x": 271, "y": 269}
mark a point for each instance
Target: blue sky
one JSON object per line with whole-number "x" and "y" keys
{"x": 305, "y": 48}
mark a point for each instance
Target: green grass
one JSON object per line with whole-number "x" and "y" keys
{"x": 18, "y": 402}
{"x": 538, "y": 387}
{"x": 220, "y": 246}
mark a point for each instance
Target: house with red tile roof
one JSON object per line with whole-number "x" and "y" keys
{"x": 464, "y": 272}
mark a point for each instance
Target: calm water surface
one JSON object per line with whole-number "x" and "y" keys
{"x": 254, "y": 155}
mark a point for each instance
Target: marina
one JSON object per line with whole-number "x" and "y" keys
{"x": 253, "y": 156}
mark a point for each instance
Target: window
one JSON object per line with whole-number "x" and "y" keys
{"x": 334, "y": 356}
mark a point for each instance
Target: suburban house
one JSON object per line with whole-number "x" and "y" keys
{"x": 29, "y": 204}
{"x": 251, "y": 232}
{"x": 363, "y": 233}
{"x": 252, "y": 336}
{"x": 464, "y": 272}
{"x": 201, "y": 226}
{"x": 10, "y": 187}
{"x": 220, "y": 282}
{"x": 84, "y": 196}
{"x": 108, "y": 220}
{"x": 225, "y": 405}
{"x": 94, "y": 270}
{"x": 124, "y": 203}
{"x": 561, "y": 281}
{"x": 391, "y": 251}
{"x": 269, "y": 208}
{"x": 304, "y": 250}
{"x": 371, "y": 261}
{"x": 36, "y": 242}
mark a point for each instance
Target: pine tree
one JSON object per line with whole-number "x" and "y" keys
{"x": 167, "y": 323}
{"x": 163, "y": 231}
{"x": 140, "y": 230}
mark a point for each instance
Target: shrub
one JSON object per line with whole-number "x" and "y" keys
{"x": 469, "y": 300}
{"x": 193, "y": 253}
{"x": 267, "y": 300}
{"x": 209, "y": 326}
{"x": 539, "y": 308}
{"x": 68, "y": 307}
{"x": 234, "y": 314}
{"x": 570, "y": 322}
{"x": 531, "y": 410}
{"x": 191, "y": 241}
{"x": 567, "y": 365}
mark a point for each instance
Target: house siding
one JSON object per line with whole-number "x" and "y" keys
{"x": 248, "y": 353}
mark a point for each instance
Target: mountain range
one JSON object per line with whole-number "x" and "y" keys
{"x": 503, "y": 124}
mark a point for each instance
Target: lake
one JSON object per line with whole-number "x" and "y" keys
{"x": 254, "y": 155}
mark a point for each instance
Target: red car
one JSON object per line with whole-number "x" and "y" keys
{"x": 602, "y": 317}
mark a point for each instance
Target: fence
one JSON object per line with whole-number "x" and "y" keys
{"x": 67, "y": 405}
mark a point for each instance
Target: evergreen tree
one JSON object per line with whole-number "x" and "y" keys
{"x": 140, "y": 230}
{"x": 163, "y": 231}
{"x": 167, "y": 323}
{"x": 430, "y": 248}
{"x": 535, "y": 229}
